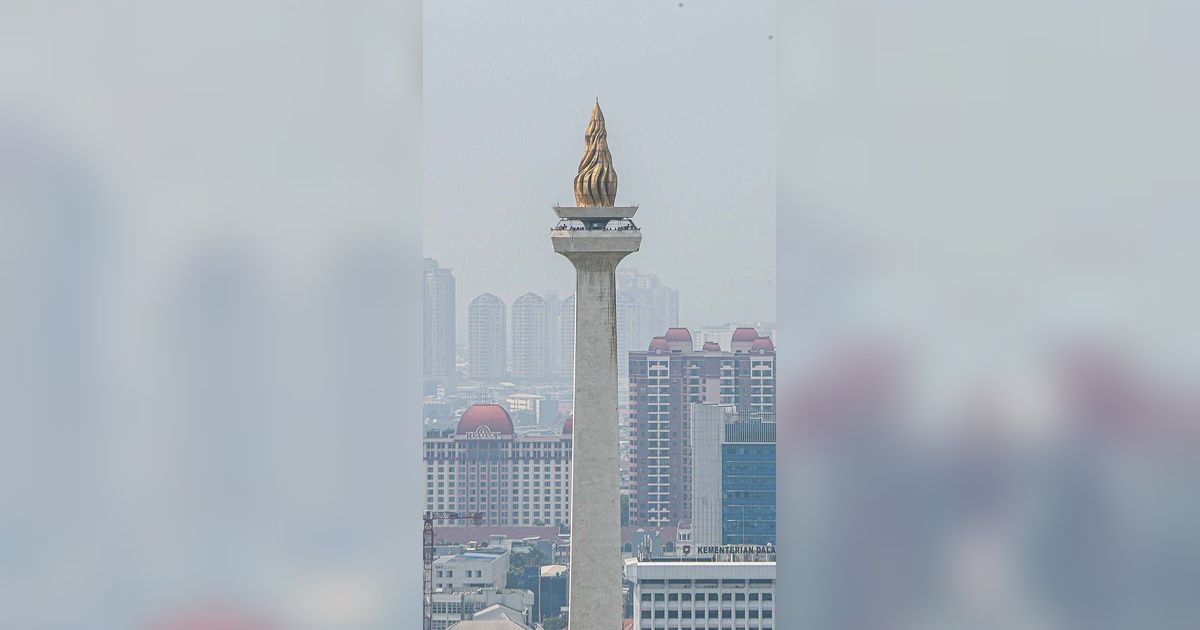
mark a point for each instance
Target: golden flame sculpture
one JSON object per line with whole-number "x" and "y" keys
{"x": 596, "y": 182}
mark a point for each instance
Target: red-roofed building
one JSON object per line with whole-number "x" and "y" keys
{"x": 489, "y": 418}
{"x": 483, "y": 465}
{"x": 743, "y": 340}
{"x": 662, "y": 386}
{"x": 762, "y": 345}
{"x": 679, "y": 335}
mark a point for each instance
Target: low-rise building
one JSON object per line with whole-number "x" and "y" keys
{"x": 471, "y": 570}
{"x": 553, "y": 591}
{"x": 702, "y": 595}
{"x": 451, "y": 608}
{"x": 495, "y": 617}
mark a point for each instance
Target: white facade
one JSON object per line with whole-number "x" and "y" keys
{"x": 514, "y": 480}
{"x": 450, "y": 608}
{"x": 471, "y": 570}
{"x": 656, "y": 482}
{"x": 487, "y": 338}
{"x": 529, "y": 336}
{"x": 495, "y": 617}
{"x": 707, "y": 428}
{"x": 702, "y": 595}
{"x": 762, "y": 385}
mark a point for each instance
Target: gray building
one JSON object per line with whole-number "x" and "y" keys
{"x": 529, "y": 337}
{"x": 439, "y": 320}
{"x": 566, "y": 338}
{"x": 553, "y": 334}
{"x": 487, "y": 353}
{"x": 707, "y": 426}
{"x": 656, "y": 306}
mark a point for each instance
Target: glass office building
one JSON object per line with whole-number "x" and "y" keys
{"x": 748, "y": 482}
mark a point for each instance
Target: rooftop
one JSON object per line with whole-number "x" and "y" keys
{"x": 488, "y": 624}
{"x": 553, "y": 570}
{"x": 470, "y": 556}
{"x": 485, "y": 418}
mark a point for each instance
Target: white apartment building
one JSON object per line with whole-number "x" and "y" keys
{"x": 487, "y": 339}
{"x": 700, "y": 595}
{"x": 471, "y": 570}
{"x": 529, "y": 337}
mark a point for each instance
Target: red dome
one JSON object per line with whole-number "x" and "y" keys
{"x": 659, "y": 343}
{"x": 569, "y": 425}
{"x": 712, "y": 346}
{"x": 763, "y": 343}
{"x": 745, "y": 334}
{"x": 492, "y": 416}
{"x": 678, "y": 334}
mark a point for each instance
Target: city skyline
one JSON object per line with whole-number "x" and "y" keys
{"x": 645, "y": 306}
{"x": 656, "y": 320}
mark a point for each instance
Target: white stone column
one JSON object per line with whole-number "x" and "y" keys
{"x": 595, "y": 576}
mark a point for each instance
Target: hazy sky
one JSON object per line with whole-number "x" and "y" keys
{"x": 689, "y": 98}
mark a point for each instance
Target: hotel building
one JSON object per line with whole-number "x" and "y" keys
{"x": 483, "y": 465}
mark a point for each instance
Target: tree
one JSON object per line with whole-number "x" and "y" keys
{"x": 519, "y": 561}
{"x": 554, "y": 623}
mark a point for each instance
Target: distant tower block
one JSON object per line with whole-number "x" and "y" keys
{"x": 595, "y": 236}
